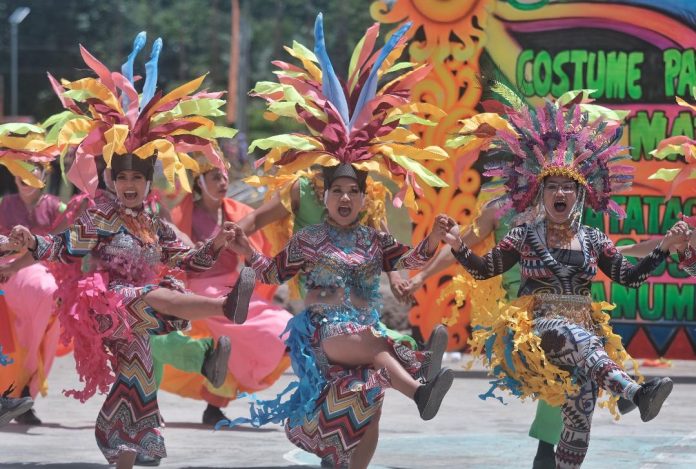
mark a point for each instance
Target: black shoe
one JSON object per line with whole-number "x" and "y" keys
{"x": 11, "y": 407}
{"x": 545, "y": 457}
{"x": 145, "y": 460}
{"x": 215, "y": 363}
{"x": 429, "y": 396}
{"x": 212, "y": 415}
{"x": 28, "y": 418}
{"x": 650, "y": 397}
{"x": 236, "y": 305}
{"x": 625, "y": 405}
{"x": 437, "y": 345}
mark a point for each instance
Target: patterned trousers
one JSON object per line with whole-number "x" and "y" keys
{"x": 581, "y": 353}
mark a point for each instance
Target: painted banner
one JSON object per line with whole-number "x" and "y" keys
{"x": 638, "y": 57}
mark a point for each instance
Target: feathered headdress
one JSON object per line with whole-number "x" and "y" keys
{"x": 679, "y": 145}
{"x": 351, "y": 122}
{"x": 568, "y": 137}
{"x": 21, "y": 145}
{"x": 106, "y": 116}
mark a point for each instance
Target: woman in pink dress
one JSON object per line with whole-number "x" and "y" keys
{"x": 258, "y": 354}
{"x": 29, "y": 296}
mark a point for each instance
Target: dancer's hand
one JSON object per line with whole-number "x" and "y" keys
{"x": 237, "y": 240}
{"x": 414, "y": 283}
{"x": 678, "y": 236}
{"x": 22, "y": 238}
{"x": 454, "y": 239}
{"x": 399, "y": 289}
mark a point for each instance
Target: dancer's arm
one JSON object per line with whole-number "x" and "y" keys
{"x": 67, "y": 247}
{"x": 499, "y": 260}
{"x": 283, "y": 266}
{"x": 642, "y": 249}
{"x": 269, "y": 212}
{"x": 619, "y": 269}
{"x": 482, "y": 227}
{"x": 397, "y": 256}
{"x": 176, "y": 254}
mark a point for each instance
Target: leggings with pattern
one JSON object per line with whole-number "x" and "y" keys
{"x": 573, "y": 348}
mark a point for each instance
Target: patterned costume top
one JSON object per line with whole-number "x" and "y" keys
{"x": 104, "y": 231}
{"x": 545, "y": 271}
{"x": 333, "y": 257}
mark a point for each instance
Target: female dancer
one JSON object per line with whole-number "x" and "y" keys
{"x": 29, "y": 304}
{"x": 10, "y": 407}
{"x": 338, "y": 349}
{"x": 129, "y": 296}
{"x": 560, "y": 161}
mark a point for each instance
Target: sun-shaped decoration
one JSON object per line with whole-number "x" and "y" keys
{"x": 448, "y": 26}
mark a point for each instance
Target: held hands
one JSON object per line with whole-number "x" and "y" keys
{"x": 21, "y": 238}
{"x": 442, "y": 225}
{"x": 237, "y": 240}
{"x": 453, "y": 239}
{"x": 679, "y": 236}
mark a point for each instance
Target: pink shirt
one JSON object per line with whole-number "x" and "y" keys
{"x": 39, "y": 220}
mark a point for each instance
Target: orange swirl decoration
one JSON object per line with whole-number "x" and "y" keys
{"x": 450, "y": 35}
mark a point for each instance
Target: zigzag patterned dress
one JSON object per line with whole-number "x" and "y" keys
{"x": 331, "y": 406}
{"x": 111, "y": 324}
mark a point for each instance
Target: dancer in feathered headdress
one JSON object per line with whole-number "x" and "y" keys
{"x": 553, "y": 342}
{"x": 28, "y": 290}
{"x": 129, "y": 296}
{"x": 338, "y": 347}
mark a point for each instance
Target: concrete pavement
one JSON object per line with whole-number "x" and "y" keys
{"x": 468, "y": 432}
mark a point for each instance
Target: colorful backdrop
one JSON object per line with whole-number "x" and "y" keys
{"x": 638, "y": 57}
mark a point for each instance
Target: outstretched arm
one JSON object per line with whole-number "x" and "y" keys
{"x": 620, "y": 270}
{"x": 270, "y": 211}
{"x": 499, "y": 260}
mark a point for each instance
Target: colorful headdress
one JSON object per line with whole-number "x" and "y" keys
{"x": 106, "y": 116}
{"x": 679, "y": 145}
{"x": 568, "y": 137}
{"x": 22, "y": 145}
{"x": 352, "y": 122}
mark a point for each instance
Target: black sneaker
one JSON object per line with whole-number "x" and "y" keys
{"x": 650, "y": 397}
{"x": 28, "y": 418}
{"x": 429, "y": 396}
{"x": 145, "y": 460}
{"x": 215, "y": 363}
{"x": 212, "y": 415}
{"x": 437, "y": 345}
{"x": 236, "y": 305}
{"x": 11, "y": 407}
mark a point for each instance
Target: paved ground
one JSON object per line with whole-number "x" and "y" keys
{"x": 467, "y": 433}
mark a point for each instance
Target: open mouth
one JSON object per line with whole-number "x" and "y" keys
{"x": 130, "y": 195}
{"x": 344, "y": 211}
{"x": 560, "y": 206}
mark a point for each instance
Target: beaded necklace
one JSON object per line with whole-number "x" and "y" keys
{"x": 138, "y": 223}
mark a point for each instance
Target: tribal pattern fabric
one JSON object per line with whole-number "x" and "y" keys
{"x": 570, "y": 346}
{"x": 334, "y": 257}
{"x": 542, "y": 273}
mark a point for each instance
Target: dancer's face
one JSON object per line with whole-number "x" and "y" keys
{"x": 344, "y": 200}
{"x": 131, "y": 187}
{"x": 26, "y": 191}
{"x": 560, "y": 194}
{"x": 216, "y": 185}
